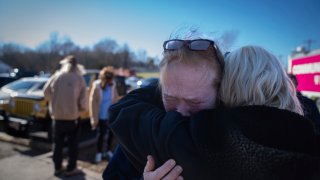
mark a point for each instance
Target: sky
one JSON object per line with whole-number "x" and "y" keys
{"x": 277, "y": 25}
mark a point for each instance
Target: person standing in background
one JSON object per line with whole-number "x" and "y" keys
{"x": 66, "y": 93}
{"x": 102, "y": 95}
{"x": 309, "y": 107}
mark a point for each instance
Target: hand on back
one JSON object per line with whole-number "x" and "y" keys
{"x": 168, "y": 171}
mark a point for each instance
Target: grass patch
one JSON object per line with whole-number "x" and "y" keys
{"x": 148, "y": 74}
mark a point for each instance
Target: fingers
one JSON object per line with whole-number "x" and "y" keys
{"x": 164, "y": 169}
{"x": 179, "y": 178}
{"x": 174, "y": 174}
{"x": 168, "y": 171}
{"x": 150, "y": 164}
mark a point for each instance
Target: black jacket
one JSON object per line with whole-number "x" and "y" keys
{"x": 120, "y": 168}
{"x": 252, "y": 142}
{"x": 310, "y": 111}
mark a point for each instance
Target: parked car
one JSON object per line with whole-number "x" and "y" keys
{"x": 131, "y": 83}
{"x": 21, "y": 86}
{"x": 29, "y": 112}
{"x": 15, "y": 74}
{"x": 147, "y": 81}
{"x": 20, "y": 73}
{"x": 5, "y": 78}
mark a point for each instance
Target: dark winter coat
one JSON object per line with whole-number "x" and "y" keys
{"x": 120, "y": 168}
{"x": 251, "y": 142}
{"x": 310, "y": 111}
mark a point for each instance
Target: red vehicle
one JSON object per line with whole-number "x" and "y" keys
{"x": 306, "y": 67}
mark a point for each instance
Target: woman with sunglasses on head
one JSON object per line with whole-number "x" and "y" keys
{"x": 259, "y": 134}
{"x": 190, "y": 76}
{"x": 102, "y": 95}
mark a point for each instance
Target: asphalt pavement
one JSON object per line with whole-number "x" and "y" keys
{"x": 28, "y": 164}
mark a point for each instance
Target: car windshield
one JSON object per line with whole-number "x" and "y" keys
{"x": 41, "y": 86}
{"x": 20, "y": 86}
{"x": 145, "y": 82}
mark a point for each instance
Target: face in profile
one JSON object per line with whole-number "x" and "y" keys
{"x": 188, "y": 88}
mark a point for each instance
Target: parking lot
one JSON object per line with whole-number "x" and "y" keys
{"x": 17, "y": 153}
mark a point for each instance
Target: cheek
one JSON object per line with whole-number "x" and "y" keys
{"x": 169, "y": 106}
{"x": 210, "y": 99}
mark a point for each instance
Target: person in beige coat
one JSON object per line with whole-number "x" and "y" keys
{"x": 66, "y": 93}
{"x": 102, "y": 95}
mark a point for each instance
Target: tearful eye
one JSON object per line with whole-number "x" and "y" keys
{"x": 170, "y": 99}
{"x": 170, "y": 102}
{"x": 194, "y": 103}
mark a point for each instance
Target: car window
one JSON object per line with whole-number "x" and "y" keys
{"x": 87, "y": 78}
{"x": 145, "y": 82}
{"x": 40, "y": 87}
{"x": 20, "y": 86}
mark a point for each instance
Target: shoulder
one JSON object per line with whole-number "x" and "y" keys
{"x": 267, "y": 126}
{"x": 305, "y": 100}
{"x": 274, "y": 127}
{"x": 96, "y": 85}
{"x": 97, "y": 82}
{"x": 57, "y": 74}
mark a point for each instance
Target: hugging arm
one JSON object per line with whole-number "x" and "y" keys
{"x": 136, "y": 122}
{"x": 144, "y": 129}
{"x": 137, "y": 129}
{"x": 149, "y": 94}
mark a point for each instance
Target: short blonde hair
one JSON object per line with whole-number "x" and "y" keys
{"x": 253, "y": 76}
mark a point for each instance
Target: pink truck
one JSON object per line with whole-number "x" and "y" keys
{"x": 306, "y": 67}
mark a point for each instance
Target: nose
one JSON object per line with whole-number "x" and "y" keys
{"x": 183, "y": 109}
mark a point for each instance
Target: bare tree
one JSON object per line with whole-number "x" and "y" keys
{"x": 106, "y": 45}
{"x": 47, "y": 55}
{"x": 227, "y": 40}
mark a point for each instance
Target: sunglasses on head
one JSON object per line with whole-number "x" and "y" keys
{"x": 195, "y": 45}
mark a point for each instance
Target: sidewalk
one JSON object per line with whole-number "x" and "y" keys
{"x": 40, "y": 167}
{"x": 37, "y": 168}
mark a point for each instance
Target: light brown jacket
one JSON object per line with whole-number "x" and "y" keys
{"x": 95, "y": 100}
{"x": 66, "y": 93}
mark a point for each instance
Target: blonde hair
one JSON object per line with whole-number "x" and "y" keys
{"x": 213, "y": 57}
{"x": 253, "y": 76}
{"x": 70, "y": 64}
{"x": 106, "y": 76}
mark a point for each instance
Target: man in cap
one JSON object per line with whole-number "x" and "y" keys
{"x": 66, "y": 93}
